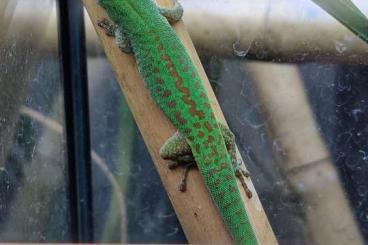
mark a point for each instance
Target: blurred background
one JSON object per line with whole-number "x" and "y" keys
{"x": 291, "y": 81}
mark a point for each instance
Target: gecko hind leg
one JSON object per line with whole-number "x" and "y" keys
{"x": 240, "y": 173}
{"x": 112, "y": 30}
{"x": 187, "y": 167}
{"x": 183, "y": 182}
{"x": 177, "y": 150}
{"x": 107, "y": 26}
{"x": 173, "y": 14}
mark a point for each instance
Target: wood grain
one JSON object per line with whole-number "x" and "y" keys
{"x": 194, "y": 208}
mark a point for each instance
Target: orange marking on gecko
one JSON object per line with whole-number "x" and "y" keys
{"x": 200, "y": 134}
{"x": 213, "y": 152}
{"x": 196, "y": 125}
{"x": 179, "y": 118}
{"x": 159, "y": 80}
{"x": 218, "y": 182}
{"x": 186, "y": 68}
{"x": 171, "y": 104}
{"x": 222, "y": 195}
{"x": 181, "y": 88}
{"x": 160, "y": 47}
{"x": 170, "y": 66}
{"x": 187, "y": 130}
{"x": 165, "y": 57}
{"x": 166, "y": 93}
{"x": 228, "y": 205}
{"x": 210, "y": 139}
{"x": 208, "y": 126}
{"x": 202, "y": 95}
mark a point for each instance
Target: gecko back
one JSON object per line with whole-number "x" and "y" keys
{"x": 177, "y": 89}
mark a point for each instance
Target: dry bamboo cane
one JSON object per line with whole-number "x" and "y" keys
{"x": 306, "y": 162}
{"x": 288, "y": 31}
{"x": 262, "y": 29}
{"x": 194, "y": 209}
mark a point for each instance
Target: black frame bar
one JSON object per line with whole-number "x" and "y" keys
{"x": 74, "y": 71}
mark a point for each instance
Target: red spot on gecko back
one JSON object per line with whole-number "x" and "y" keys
{"x": 159, "y": 80}
{"x": 186, "y": 68}
{"x": 208, "y": 126}
{"x": 196, "y": 125}
{"x": 166, "y": 93}
{"x": 200, "y": 134}
{"x": 171, "y": 104}
{"x": 179, "y": 118}
{"x": 233, "y": 202}
{"x": 179, "y": 85}
{"x": 160, "y": 47}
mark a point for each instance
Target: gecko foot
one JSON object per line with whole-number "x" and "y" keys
{"x": 172, "y": 165}
{"x": 183, "y": 183}
{"x": 107, "y": 26}
{"x": 173, "y": 14}
{"x": 241, "y": 174}
{"x": 112, "y": 30}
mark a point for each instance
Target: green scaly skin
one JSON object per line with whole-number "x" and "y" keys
{"x": 176, "y": 87}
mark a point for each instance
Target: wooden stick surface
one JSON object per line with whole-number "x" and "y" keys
{"x": 306, "y": 163}
{"x": 194, "y": 208}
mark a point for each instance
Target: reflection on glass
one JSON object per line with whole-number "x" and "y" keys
{"x": 33, "y": 194}
{"x": 300, "y": 125}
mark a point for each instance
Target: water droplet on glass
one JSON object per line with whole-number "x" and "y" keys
{"x": 238, "y": 52}
{"x": 362, "y": 190}
{"x": 340, "y": 47}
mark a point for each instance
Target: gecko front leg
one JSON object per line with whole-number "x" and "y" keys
{"x": 240, "y": 173}
{"x": 112, "y": 30}
{"x": 177, "y": 150}
{"x": 173, "y": 14}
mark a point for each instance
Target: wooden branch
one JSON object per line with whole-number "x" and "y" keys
{"x": 272, "y": 30}
{"x": 305, "y": 161}
{"x": 262, "y": 29}
{"x": 195, "y": 210}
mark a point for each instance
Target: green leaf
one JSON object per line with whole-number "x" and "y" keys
{"x": 348, "y": 14}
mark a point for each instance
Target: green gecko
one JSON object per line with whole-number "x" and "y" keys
{"x": 177, "y": 89}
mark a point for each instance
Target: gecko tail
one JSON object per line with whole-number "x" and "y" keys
{"x": 223, "y": 188}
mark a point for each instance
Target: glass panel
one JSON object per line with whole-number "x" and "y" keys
{"x": 291, "y": 82}
{"x": 33, "y": 193}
